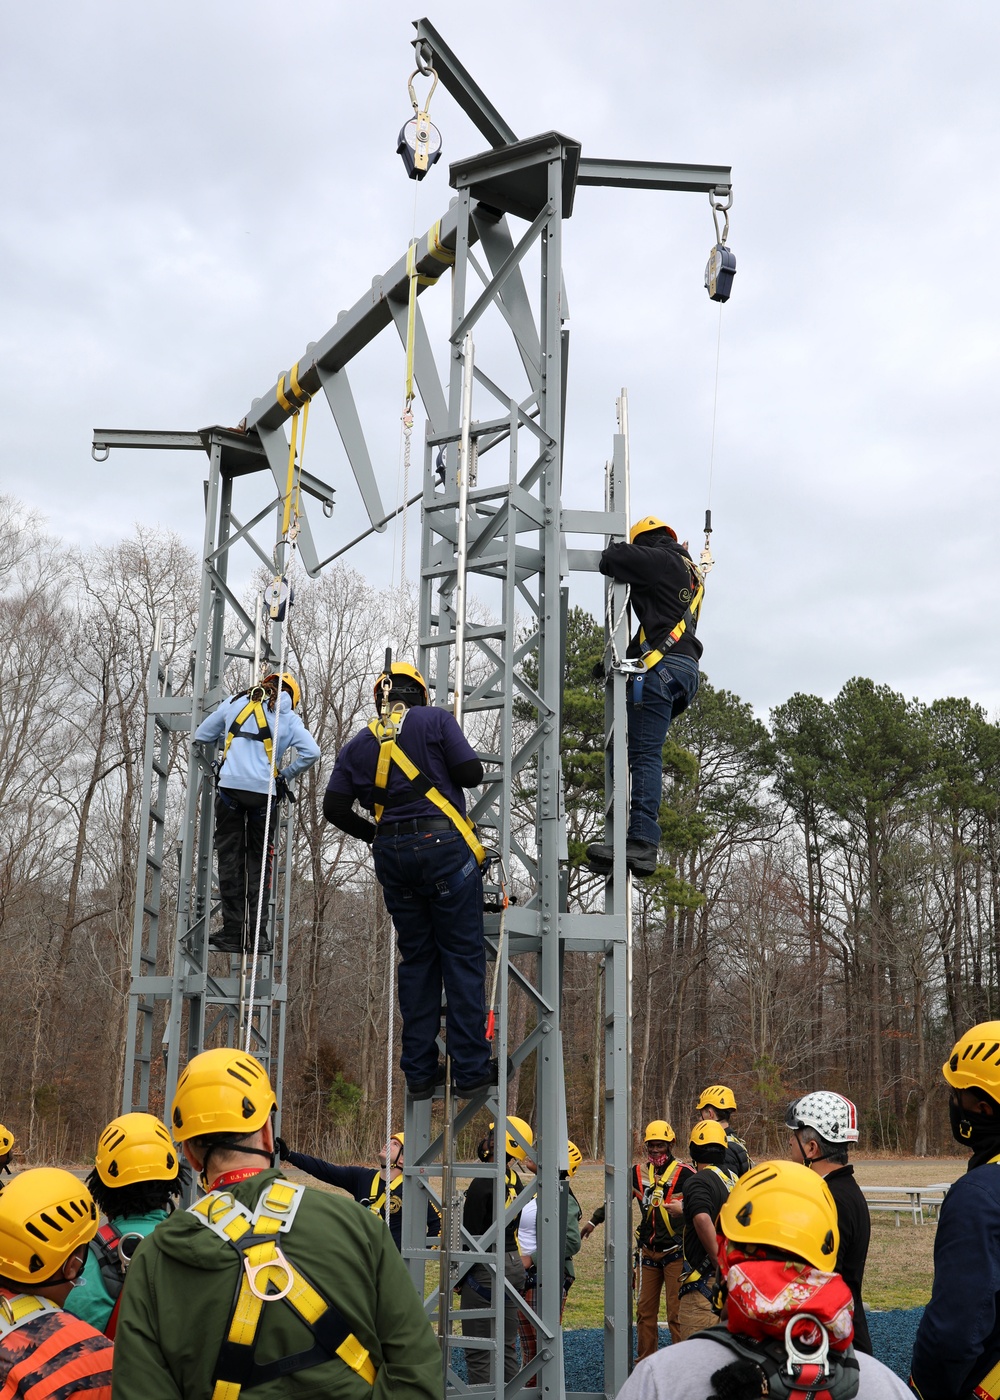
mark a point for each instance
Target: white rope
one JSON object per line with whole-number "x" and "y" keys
{"x": 613, "y": 622}
{"x": 391, "y": 1035}
{"x": 715, "y": 405}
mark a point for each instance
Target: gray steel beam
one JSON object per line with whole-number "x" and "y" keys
{"x": 148, "y": 439}
{"x": 457, "y": 80}
{"x": 654, "y": 175}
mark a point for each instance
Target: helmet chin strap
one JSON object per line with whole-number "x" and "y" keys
{"x": 227, "y": 1147}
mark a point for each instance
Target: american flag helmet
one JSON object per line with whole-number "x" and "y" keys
{"x": 834, "y": 1117}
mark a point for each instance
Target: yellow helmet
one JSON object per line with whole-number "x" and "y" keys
{"x": 575, "y": 1158}
{"x": 288, "y": 682}
{"x": 786, "y": 1206}
{"x": 659, "y": 1131}
{"x": 972, "y": 1064}
{"x": 6, "y": 1140}
{"x": 135, "y": 1147}
{"x": 45, "y": 1214}
{"x": 222, "y": 1091}
{"x": 514, "y": 1148}
{"x": 707, "y": 1131}
{"x": 649, "y": 522}
{"x": 397, "y": 1137}
{"x": 403, "y": 668}
{"x": 718, "y": 1096}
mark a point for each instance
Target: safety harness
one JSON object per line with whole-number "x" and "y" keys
{"x": 110, "y": 1249}
{"x": 651, "y": 1195}
{"x": 376, "y": 1197}
{"x": 639, "y": 667}
{"x": 21, "y": 1309}
{"x": 268, "y": 1276}
{"x": 693, "y": 1279}
{"x": 386, "y": 731}
{"x": 790, "y": 1374}
{"x": 252, "y": 709}
{"x": 483, "y": 1289}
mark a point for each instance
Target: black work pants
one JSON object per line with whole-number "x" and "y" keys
{"x": 242, "y": 843}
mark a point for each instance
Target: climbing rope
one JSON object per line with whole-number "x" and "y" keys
{"x": 282, "y": 579}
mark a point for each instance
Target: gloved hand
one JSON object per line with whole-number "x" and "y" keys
{"x": 599, "y": 673}
{"x": 282, "y": 791}
{"x": 282, "y": 1147}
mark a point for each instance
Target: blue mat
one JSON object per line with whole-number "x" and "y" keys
{"x": 583, "y": 1348}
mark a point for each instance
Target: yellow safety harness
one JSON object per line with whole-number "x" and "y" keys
{"x": 657, "y": 1200}
{"x": 376, "y": 1197}
{"x": 693, "y": 1279}
{"x": 254, "y": 709}
{"x": 21, "y": 1309}
{"x": 387, "y": 733}
{"x": 268, "y": 1276}
{"x": 653, "y": 656}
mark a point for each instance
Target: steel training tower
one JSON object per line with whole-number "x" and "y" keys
{"x": 494, "y": 535}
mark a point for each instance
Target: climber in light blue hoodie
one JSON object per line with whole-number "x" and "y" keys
{"x": 255, "y": 739}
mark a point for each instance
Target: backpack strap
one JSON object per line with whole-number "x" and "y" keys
{"x": 104, "y": 1247}
{"x": 267, "y": 1276}
{"x": 836, "y": 1376}
{"x": 387, "y": 733}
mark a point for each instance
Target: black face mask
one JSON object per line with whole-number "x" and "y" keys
{"x": 973, "y": 1130}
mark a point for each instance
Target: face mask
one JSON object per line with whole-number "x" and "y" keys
{"x": 972, "y": 1130}
{"x": 658, "y": 1159}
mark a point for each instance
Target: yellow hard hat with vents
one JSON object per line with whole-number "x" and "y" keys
{"x": 659, "y": 1131}
{"x": 135, "y": 1147}
{"x": 401, "y": 669}
{"x": 575, "y": 1157}
{"x": 6, "y": 1140}
{"x": 707, "y": 1131}
{"x": 974, "y": 1063}
{"x": 718, "y": 1096}
{"x": 650, "y": 522}
{"x": 45, "y": 1214}
{"x": 222, "y": 1091}
{"x": 785, "y": 1206}
{"x": 514, "y": 1148}
{"x": 287, "y": 682}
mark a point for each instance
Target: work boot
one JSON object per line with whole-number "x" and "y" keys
{"x": 427, "y": 1090}
{"x": 601, "y": 857}
{"x": 227, "y": 940}
{"x": 640, "y": 857}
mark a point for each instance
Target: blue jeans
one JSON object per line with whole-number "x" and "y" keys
{"x": 433, "y": 890}
{"x": 667, "y": 690}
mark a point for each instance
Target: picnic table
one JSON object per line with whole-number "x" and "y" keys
{"x": 911, "y": 1199}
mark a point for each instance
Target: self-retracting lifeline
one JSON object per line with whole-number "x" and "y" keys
{"x": 267, "y": 1275}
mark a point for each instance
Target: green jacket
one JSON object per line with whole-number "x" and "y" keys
{"x": 91, "y": 1300}
{"x": 573, "y": 1240}
{"x": 183, "y": 1279}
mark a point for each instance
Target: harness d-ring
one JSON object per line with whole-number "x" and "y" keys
{"x": 278, "y": 1262}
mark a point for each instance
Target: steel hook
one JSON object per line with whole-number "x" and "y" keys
{"x": 96, "y": 448}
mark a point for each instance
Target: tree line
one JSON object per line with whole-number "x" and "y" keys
{"x": 825, "y": 913}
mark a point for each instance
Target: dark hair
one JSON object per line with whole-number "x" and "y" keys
{"x": 141, "y": 1198}
{"x": 831, "y": 1151}
{"x": 712, "y": 1153}
{"x": 740, "y": 1380}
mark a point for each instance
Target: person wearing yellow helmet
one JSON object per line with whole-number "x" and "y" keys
{"x": 47, "y": 1218}
{"x": 718, "y": 1102}
{"x": 956, "y": 1351}
{"x": 788, "y": 1329}
{"x": 705, "y": 1193}
{"x": 365, "y": 1184}
{"x": 666, "y": 590}
{"x": 264, "y": 1285}
{"x": 477, "y": 1284}
{"x": 7, "y": 1145}
{"x": 409, "y": 767}
{"x": 527, "y": 1241}
{"x": 136, "y": 1182}
{"x": 257, "y": 729}
{"x": 657, "y": 1188}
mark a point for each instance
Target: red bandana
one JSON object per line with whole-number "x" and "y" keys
{"x": 765, "y": 1293}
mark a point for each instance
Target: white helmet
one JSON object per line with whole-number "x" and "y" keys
{"x": 834, "y": 1117}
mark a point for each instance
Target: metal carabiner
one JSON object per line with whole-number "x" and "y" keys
{"x": 816, "y": 1357}
{"x": 425, "y": 73}
{"x": 278, "y": 1262}
{"x": 718, "y": 205}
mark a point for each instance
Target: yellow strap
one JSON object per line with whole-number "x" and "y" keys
{"x": 446, "y": 808}
{"x": 671, "y": 1176}
{"x": 252, "y": 707}
{"x": 22, "y": 1308}
{"x": 989, "y": 1387}
{"x": 417, "y": 279}
{"x": 436, "y": 248}
{"x": 280, "y": 392}
{"x": 305, "y": 1300}
{"x": 653, "y": 658}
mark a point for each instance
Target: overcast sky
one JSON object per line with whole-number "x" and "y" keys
{"x": 193, "y": 191}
